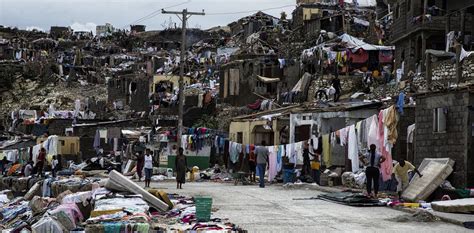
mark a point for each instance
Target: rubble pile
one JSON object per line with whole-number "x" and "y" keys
{"x": 29, "y": 94}
{"x": 227, "y": 112}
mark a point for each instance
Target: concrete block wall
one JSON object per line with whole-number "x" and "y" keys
{"x": 454, "y": 142}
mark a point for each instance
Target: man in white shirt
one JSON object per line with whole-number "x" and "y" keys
{"x": 148, "y": 167}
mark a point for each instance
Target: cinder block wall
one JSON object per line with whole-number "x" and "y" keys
{"x": 454, "y": 142}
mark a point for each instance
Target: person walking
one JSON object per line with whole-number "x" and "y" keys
{"x": 262, "y": 160}
{"x": 252, "y": 163}
{"x": 306, "y": 161}
{"x": 372, "y": 159}
{"x": 181, "y": 165}
{"x": 336, "y": 84}
{"x": 40, "y": 161}
{"x": 315, "y": 168}
{"x": 148, "y": 167}
{"x": 140, "y": 164}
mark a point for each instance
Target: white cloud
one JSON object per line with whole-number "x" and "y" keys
{"x": 84, "y": 27}
{"x": 31, "y": 28}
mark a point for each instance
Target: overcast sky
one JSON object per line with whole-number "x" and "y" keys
{"x": 86, "y": 14}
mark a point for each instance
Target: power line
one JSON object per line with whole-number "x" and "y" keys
{"x": 250, "y": 11}
{"x": 155, "y": 13}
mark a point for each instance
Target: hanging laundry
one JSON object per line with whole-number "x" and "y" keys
{"x": 373, "y": 136}
{"x": 401, "y": 102}
{"x": 299, "y": 152}
{"x": 282, "y": 63}
{"x": 386, "y": 166}
{"x": 103, "y": 133}
{"x": 343, "y": 135}
{"x": 272, "y": 163}
{"x": 326, "y": 150}
{"x": 200, "y": 100}
{"x": 280, "y": 154}
{"x": 391, "y": 121}
{"x": 353, "y": 149}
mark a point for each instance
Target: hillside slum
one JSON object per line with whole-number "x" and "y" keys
{"x": 330, "y": 80}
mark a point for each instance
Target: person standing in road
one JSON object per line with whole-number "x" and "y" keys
{"x": 148, "y": 167}
{"x": 372, "y": 159}
{"x": 262, "y": 161}
{"x": 54, "y": 166}
{"x": 140, "y": 163}
{"x": 252, "y": 163}
{"x": 181, "y": 166}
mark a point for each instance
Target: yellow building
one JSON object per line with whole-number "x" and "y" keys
{"x": 67, "y": 145}
{"x": 171, "y": 79}
{"x": 254, "y": 128}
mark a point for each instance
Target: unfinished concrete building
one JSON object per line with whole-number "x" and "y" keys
{"x": 445, "y": 128}
{"x": 249, "y": 77}
{"x": 129, "y": 90}
{"x": 422, "y": 25}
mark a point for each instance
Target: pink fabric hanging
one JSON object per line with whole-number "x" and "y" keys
{"x": 386, "y": 166}
{"x": 272, "y": 163}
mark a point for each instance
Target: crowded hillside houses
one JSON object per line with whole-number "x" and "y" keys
{"x": 337, "y": 77}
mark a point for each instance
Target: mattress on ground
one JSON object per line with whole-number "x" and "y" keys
{"x": 434, "y": 174}
{"x": 426, "y": 161}
{"x": 454, "y": 206}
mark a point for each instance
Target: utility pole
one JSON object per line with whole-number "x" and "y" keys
{"x": 184, "y": 18}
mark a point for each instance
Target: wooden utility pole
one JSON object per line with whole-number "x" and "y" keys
{"x": 184, "y": 18}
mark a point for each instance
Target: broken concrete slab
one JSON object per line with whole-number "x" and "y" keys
{"x": 454, "y": 206}
{"x": 434, "y": 173}
{"x": 132, "y": 187}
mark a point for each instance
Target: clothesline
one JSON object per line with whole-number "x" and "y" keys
{"x": 379, "y": 129}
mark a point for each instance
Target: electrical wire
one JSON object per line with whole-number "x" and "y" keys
{"x": 249, "y": 11}
{"x": 155, "y": 13}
